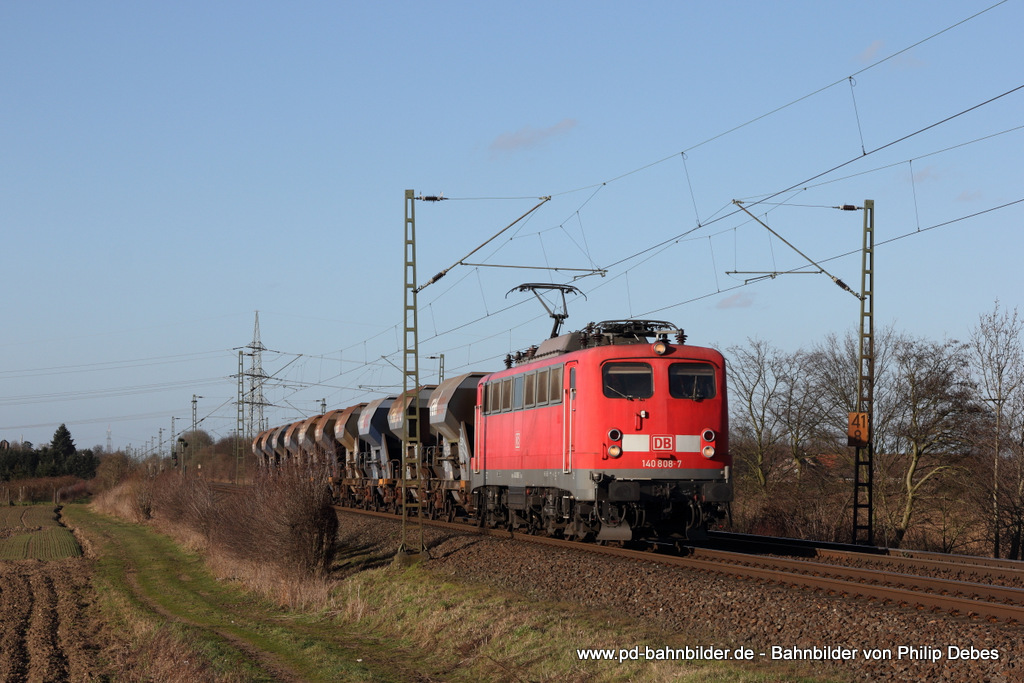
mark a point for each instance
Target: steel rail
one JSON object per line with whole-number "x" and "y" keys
{"x": 745, "y": 566}
{"x": 865, "y": 576}
{"x": 1005, "y": 570}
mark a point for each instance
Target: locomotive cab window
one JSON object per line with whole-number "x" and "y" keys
{"x": 628, "y": 380}
{"x": 691, "y": 380}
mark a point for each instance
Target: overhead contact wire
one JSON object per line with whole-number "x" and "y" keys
{"x": 598, "y": 186}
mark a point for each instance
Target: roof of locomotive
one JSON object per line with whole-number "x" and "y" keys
{"x": 605, "y": 333}
{"x": 609, "y": 333}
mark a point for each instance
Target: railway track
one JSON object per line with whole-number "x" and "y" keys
{"x": 959, "y": 585}
{"x": 897, "y": 584}
{"x": 962, "y": 568}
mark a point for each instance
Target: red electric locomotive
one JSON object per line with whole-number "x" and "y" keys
{"x": 615, "y": 432}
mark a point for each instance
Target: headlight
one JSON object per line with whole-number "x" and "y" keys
{"x": 660, "y": 347}
{"x": 708, "y": 435}
{"x": 615, "y": 435}
{"x": 614, "y": 451}
{"x": 708, "y": 452}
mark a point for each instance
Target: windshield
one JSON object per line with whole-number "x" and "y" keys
{"x": 691, "y": 380}
{"x": 628, "y": 380}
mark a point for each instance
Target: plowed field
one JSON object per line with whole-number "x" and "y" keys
{"x": 44, "y": 632}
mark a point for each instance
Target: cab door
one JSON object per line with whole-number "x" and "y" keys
{"x": 484, "y": 402}
{"x": 569, "y": 416}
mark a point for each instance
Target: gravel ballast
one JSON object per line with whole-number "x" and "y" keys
{"x": 777, "y": 623}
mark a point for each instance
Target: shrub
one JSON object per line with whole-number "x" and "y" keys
{"x": 131, "y": 500}
{"x": 186, "y": 501}
{"x": 284, "y": 518}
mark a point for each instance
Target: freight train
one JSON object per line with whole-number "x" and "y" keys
{"x": 616, "y": 432}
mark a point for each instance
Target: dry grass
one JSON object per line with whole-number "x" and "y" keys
{"x": 485, "y": 634}
{"x": 165, "y": 656}
{"x": 153, "y": 650}
{"x": 304, "y": 593}
{"x": 131, "y": 567}
{"x": 131, "y": 500}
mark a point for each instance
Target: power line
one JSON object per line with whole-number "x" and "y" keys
{"x": 804, "y": 183}
{"x": 677, "y": 238}
{"x": 599, "y": 186}
{"x": 96, "y": 420}
{"x": 675, "y": 305}
{"x": 107, "y": 393}
{"x": 784, "y": 106}
{"x": 106, "y": 365}
{"x": 847, "y": 253}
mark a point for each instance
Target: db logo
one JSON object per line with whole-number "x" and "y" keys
{"x": 663, "y": 443}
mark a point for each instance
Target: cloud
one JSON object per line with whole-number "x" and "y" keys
{"x": 738, "y": 300}
{"x": 927, "y": 173}
{"x": 907, "y": 61}
{"x": 871, "y": 52}
{"x": 529, "y": 137}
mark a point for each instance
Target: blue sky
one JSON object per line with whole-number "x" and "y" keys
{"x": 168, "y": 169}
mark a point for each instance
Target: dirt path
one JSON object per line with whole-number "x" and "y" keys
{"x": 268, "y": 662}
{"x": 189, "y": 626}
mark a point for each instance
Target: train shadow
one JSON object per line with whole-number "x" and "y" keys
{"x": 353, "y": 556}
{"x": 449, "y": 544}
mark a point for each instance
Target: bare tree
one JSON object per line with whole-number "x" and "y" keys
{"x": 799, "y": 408}
{"x": 834, "y": 365}
{"x": 1011, "y": 486}
{"x": 754, "y": 389}
{"x": 934, "y": 424}
{"x": 999, "y": 368}
{"x": 788, "y": 408}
